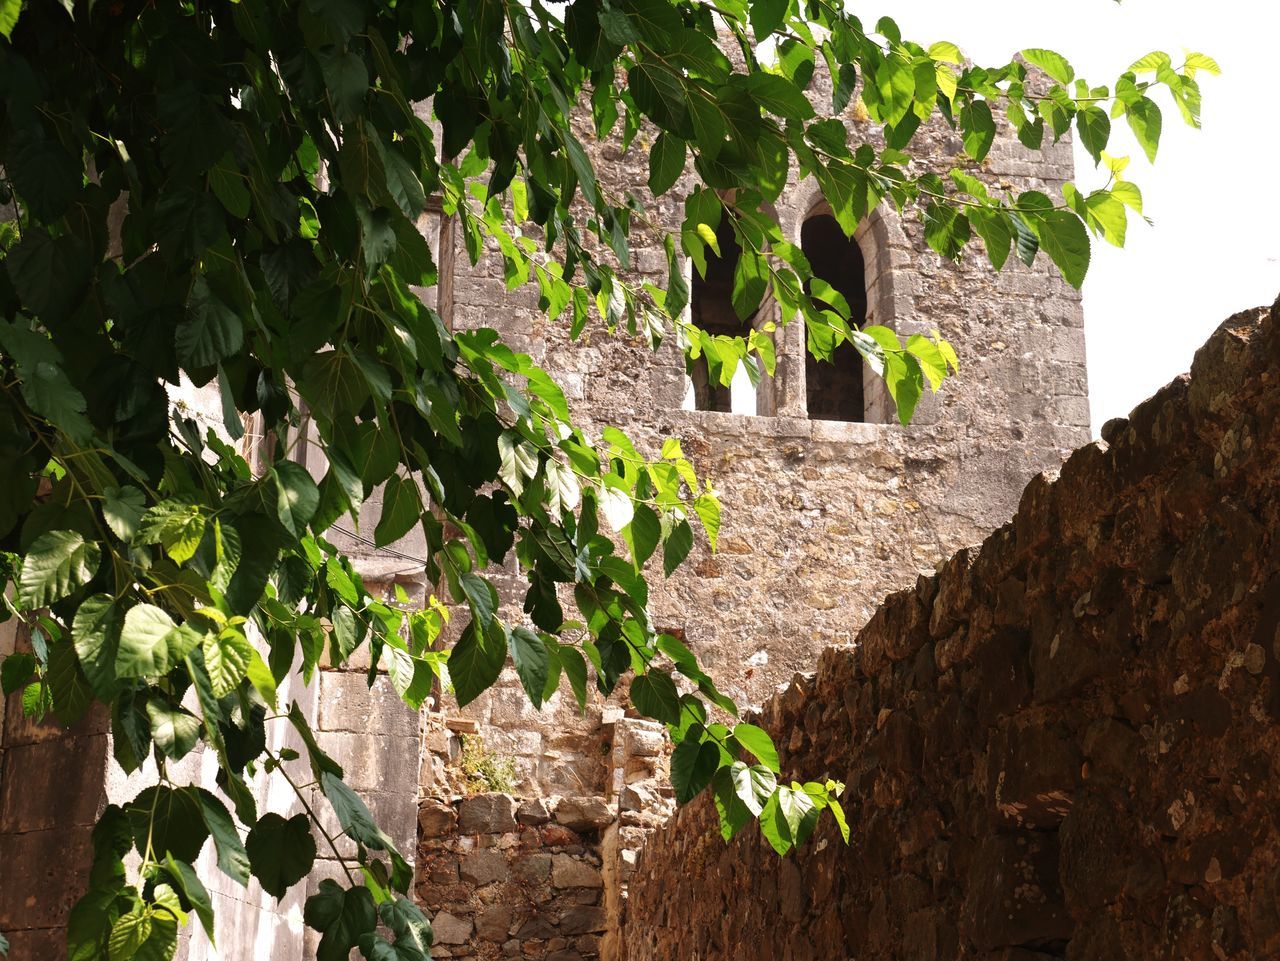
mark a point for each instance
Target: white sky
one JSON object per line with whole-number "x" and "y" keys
{"x": 1213, "y": 194}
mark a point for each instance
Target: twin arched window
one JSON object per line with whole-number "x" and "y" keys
{"x": 832, "y": 390}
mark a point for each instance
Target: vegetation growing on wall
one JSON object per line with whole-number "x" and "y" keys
{"x": 230, "y": 191}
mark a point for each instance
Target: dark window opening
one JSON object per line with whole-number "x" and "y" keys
{"x": 711, "y": 309}
{"x": 834, "y": 388}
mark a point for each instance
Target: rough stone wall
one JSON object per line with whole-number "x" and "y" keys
{"x": 821, "y": 518}
{"x": 507, "y": 878}
{"x": 51, "y": 787}
{"x": 1065, "y": 744}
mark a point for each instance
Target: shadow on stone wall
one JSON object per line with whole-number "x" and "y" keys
{"x": 1065, "y": 744}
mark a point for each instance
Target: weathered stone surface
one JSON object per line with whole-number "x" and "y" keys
{"x": 1080, "y": 763}
{"x": 582, "y": 920}
{"x": 487, "y": 814}
{"x": 493, "y": 923}
{"x": 436, "y": 818}
{"x": 483, "y": 867}
{"x": 533, "y": 811}
{"x": 571, "y": 872}
{"x": 583, "y": 813}
{"x": 449, "y": 929}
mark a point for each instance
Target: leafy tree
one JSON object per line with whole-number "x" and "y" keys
{"x": 229, "y": 191}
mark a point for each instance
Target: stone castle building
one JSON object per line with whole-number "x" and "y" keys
{"x": 829, "y": 505}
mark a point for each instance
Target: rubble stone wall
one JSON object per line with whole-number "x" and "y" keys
{"x": 510, "y": 878}
{"x": 1065, "y": 744}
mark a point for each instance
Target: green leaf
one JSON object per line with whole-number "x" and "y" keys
{"x": 993, "y": 227}
{"x": 757, "y": 741}
{"x": 767, "y": 16}
{"x": 10, "y": 10}
{"x": 529, "y": 654}
{"x": 176, "y": 525}
{"x": 707, "y": 507}
{"x": 174, "y": 730}
{"x": 978, "y": 127}
{"x": 347, "y": 78}
{"x": 232, "y": 858}
{"x": 753, "y": 785}
{"x": 45, "y": 385}
{"x": 281, "y": 852}
{"x": 226, "y": 658}
{"x": 150, "y": 642}
{"x": 779, "y": 96}
{"x": 838, "y": 813}
{"x": 401, "y": 510}
{"x": 676, "y": 547}
{"x": 1065, "y": 240}
{"x": 1095, "y": 130}
{"x": 358, "y": 824}
{"x": 643, "y": 534}
{"x": 55, "y": 565}
{"x": 1145, "y": 121}
{"x": 732, "y": 812}
{"x": 189, "y": 883}
{"x": 122, "y": 508}
{"x": 297, "y": 496}
{"x": 666, "y": 163}
{"x": 170, "y": 821}
{"x": 16, "y": 670}
{"x": 692, "y": 766}
{"x": 774, "y": 826}
{"x": 1053, "y": 64}
{"x": 654, "y": 694}
{"x": 475, "y": 663}
{"x": 341, "y": 916}
{"x": 575, "y": 669}
{"x": 210, "y": 332}
{"x": 410, "y": 926}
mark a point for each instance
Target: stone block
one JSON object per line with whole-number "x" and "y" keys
{"x": 532, "y": 867}
{"x": 583, "y": 813}
{"x": 374, "y": 762}
{"x": 493, "y": 922}
{"x": 347, "y": 703}
{"x": 533, "y": 811}
{"x": 436, "y": 818}
{"x": 490, "y": 813}
{"x": 570, "y": 872}
{"x": 582, "y": 919}
{"x": 53, "y": 783}
{"x": 450, "y": 929}
{"x": 483, "y": 867}
{"x": 44, "y": 874}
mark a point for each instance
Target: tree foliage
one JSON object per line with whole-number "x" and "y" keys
{"x": 229, "y": 192}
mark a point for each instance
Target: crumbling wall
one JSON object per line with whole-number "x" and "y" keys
{"x": 1065, "y": 744}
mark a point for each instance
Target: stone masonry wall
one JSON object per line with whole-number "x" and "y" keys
{"x": 1065, "y": 744}
{"x": 821, "y": 518}
{"x": 505, "y": 878}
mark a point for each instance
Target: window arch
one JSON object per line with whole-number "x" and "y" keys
{"x": 711, "y": 309}
{"x": 834, "y": 388}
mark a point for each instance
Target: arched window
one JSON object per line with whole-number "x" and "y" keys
{"x": 711, "y": 309}
{"x": 833, "y": 389}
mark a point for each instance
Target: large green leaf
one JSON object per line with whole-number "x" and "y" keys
{"x": 341, "y": 916}
{"x": 692, "y": 766}
{"x": 281, "y": 852}
{"x": 210, "y": 332}
{"x": 232, "y": 858}
{"x": 529, "y": 654}
{"x": 475, "y": 662}
{"x": 45, "y": 385}
{"x": 55, "y": 565}
{"x": 151, "y": 643}
{"x": 654, "y": 694}
{"x": 401, "y": 510}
